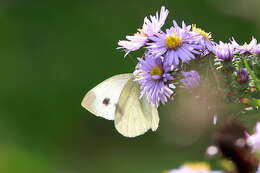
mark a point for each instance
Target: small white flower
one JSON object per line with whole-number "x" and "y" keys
{"x": 254, "y": 140}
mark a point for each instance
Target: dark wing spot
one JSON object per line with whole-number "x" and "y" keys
{"x": 106, "y": 101}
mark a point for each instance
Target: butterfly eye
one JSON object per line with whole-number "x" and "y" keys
{"x": 106, "y": 101}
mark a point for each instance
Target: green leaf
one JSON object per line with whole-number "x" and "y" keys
{"x": 252, "y": 74}
{"x": 255, "y": 102}
{"x": 250, "y": 118}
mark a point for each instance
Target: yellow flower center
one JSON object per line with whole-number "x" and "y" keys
{"x": 199, "y": 166}
{"x": 173, "y": 41}
{"x": 156, "y": 71}
{"x": 200, "y": 31}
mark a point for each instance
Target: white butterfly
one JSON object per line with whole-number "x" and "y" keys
{"x": 118, "y": 99}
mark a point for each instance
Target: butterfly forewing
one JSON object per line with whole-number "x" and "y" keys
{"x": 102, "y": 100}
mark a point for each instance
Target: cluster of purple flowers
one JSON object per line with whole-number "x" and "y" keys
{"x": 164, "y": 51}
{"x": 232, "y": 51}
{"x": 178, "y": 43}
{"x": 227, "y": 51}
{"x": 159, "y": 71}
{"x": 167, "y": 50}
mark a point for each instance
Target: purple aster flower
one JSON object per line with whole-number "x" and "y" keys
{"x": 224, "y": 51}
{"x": 177, "y": 43}
{"x": 194, "y": 168}
{"x": 254, "y": 140}
{"x": 205, "y": 40}
{"x": 251, "y": 48}
{"x": 242, "y": 75}
{"x": 191, "y": 80}
{"x": 150, "y": 27}
{"x": 154, "y": 77}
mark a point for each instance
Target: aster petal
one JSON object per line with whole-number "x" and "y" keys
{"x": 132, "y": 43}
{"x": 251, "y": 48}
{"x": 155, "y": 23}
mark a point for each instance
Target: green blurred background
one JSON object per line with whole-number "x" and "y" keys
{"x": 52, "y": 52}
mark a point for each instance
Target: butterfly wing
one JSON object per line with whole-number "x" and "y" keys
{"x": 102, "y": 100}
{"x": 151, "y": 112}
{"x": 134, "y": 116}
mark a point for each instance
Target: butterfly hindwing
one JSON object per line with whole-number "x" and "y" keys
{"x": 134, "y": 116}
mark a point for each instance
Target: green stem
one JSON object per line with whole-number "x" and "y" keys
{"x": 214, "y": 74}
